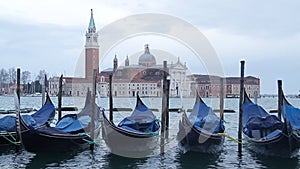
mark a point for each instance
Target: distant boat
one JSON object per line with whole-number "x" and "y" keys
{"x": 23, "y": 110}
{"x": 199, "y": 131}
{"x": 40, "y": 118}
{"x": 71, "y": 133}
{"x": 134, "y": 136}
{"x": 266, "y": 134}
{"x": 232, "y": 96}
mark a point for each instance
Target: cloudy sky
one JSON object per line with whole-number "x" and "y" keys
{"x": 49, "y": 35}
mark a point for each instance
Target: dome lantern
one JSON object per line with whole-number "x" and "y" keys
{"x": 147, "y": 59}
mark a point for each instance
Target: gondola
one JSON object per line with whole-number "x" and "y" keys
{"x": 134, "y": 136}
{"x": 291, "y": 116}
{"x": 200, "y": 132}
{"x": 266, "y": 134}
{"x": 41, "y": 117}
{"x": 71, "y": 133}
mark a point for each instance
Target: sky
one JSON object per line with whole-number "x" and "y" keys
{"x": 49, "y": 35}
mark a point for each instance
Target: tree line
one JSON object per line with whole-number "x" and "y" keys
{"x": 30, "y": 84}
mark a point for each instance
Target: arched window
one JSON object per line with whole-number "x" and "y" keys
{"x": 102, "y": 79}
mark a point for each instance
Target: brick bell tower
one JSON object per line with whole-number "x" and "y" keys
{"x": 91, "y": 49}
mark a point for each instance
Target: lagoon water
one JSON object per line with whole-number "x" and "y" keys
{"x": 173, "y": 157}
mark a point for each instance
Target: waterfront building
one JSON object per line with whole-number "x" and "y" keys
{"x": 209, "y": 86}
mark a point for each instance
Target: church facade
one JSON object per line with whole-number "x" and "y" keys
{"x": 145, "y": 78}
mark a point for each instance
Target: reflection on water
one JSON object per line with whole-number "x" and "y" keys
{"x": 118, "y": 162}
{"x": 198, "y": 160}
{"x": 276, "y": 162}
{"x": 43, "y": 160}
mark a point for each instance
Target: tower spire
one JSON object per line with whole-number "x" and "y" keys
{"x": 92, "y": 27}
{"x": 91, "y": 49}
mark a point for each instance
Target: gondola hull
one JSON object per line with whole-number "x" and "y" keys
{"x": 37, "y": 119}
{"x": 281, "y": 146}
{"x": 7, "y": 138}
{"x": 126, "y": 143}
{"x": 49, "y": 139}
{"x": 35, "y": 141}
{"x": 267, "y": 134}
{"x": 192, "y": 139}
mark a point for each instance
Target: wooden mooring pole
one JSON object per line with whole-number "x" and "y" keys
{"x": 18, "y": 127}
{"x": 111, "y": 116}
{"x": 280, "y": 98}
{"x": 165, "y": 109}
{"x": 222, "y": 98}
{"x": 94, "y": 86}
{"x": 59, "y": 97}
{"x": 241, "y": 106}
{"x": 255, "y": 97}
{"x": 43, "y": 90}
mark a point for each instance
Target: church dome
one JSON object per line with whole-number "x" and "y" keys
{"x": 147, "y": 59}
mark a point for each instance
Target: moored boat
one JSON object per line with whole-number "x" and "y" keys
{"x": 71, "y": 133}
{"x": 134, "y": 136}
{"x": 265, "y": 133}
{"x": 40, "y": 118}
{"x": 200, "y": 132}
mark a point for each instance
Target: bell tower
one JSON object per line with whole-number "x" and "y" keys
{"x": 127, "y": 61}
{"x": 115, "y": 63}
{"x": 91, "y": 49}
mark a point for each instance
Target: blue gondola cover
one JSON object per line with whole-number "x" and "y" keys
{"x": 8, "y": 123}
{"x": 46, "y": 113}
{"x": 141, "y": 119}
{"x": 256, "y": 118}
{"x": 293, "y": 115}
{"x": 71, "y": 123}
{"x": 203, "y": 117}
